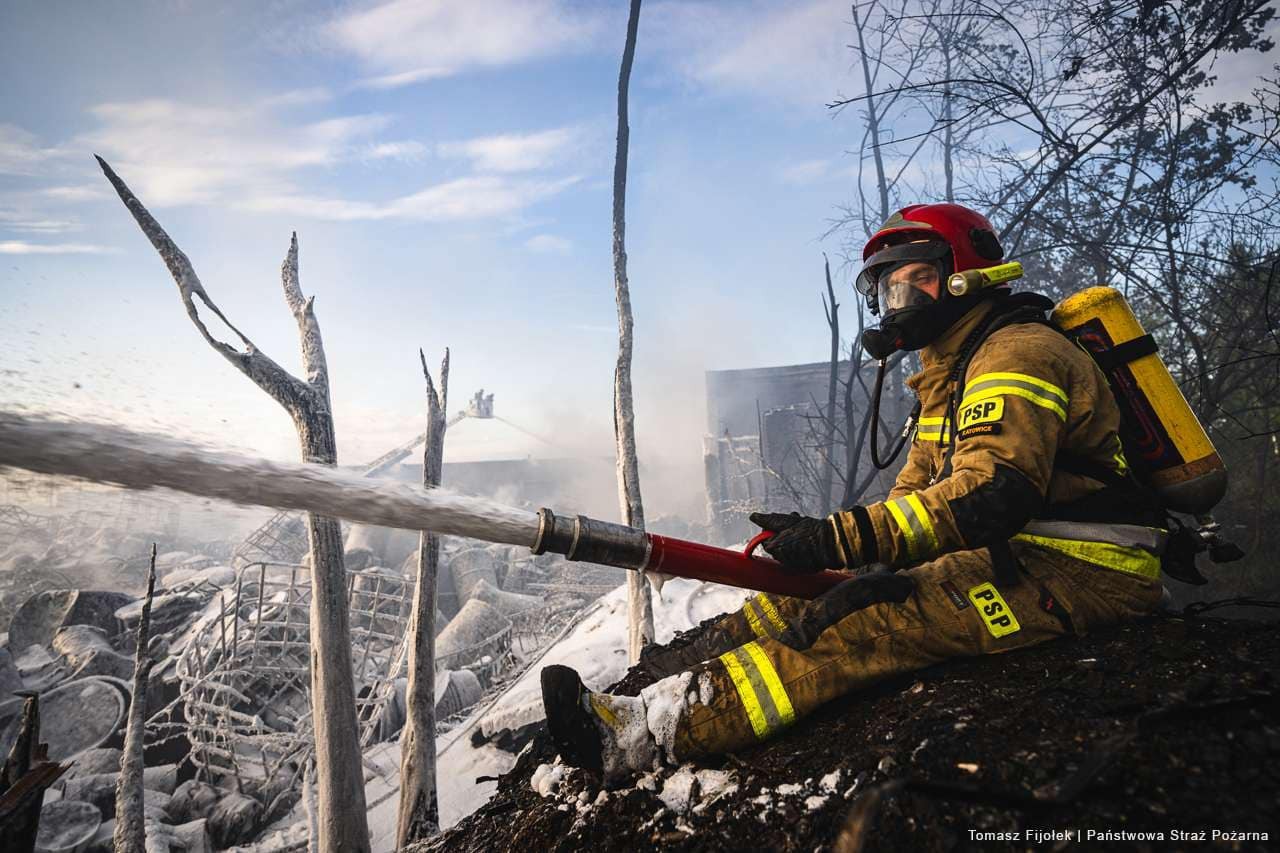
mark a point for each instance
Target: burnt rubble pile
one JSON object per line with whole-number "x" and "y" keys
{"x": 1161, "y": 725}
{"x": 228, "y": 734}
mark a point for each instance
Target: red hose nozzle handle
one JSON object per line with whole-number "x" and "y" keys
{"x": 756, "y": 542}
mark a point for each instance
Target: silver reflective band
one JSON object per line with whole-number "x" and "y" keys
{"x": 1149, "y": 539}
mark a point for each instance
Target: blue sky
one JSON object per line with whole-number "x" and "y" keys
{"x": 447, "y": 166}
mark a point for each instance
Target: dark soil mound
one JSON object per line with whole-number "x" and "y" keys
{"x": 1162, "y": 725}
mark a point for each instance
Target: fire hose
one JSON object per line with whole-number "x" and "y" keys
{"x": 112, "y": 454}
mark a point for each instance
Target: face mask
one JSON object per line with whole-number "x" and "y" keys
{"x": 908, "y": 284}
{"x": 913, "y": 305}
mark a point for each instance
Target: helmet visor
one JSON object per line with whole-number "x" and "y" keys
{"x": 908, "y": 284}
{"x": 891, "y": 256}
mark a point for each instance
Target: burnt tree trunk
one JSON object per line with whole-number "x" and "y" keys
{"x": 419, "y": 813}
{"x": 130, "y": 835}
{"x": 24, "y": 777}
{"x": 342, "y": 822}
{"x": 829, "y": 435}
{"x": 639, "y": 601}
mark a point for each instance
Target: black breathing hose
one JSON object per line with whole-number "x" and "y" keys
{"x": 875, "y": 424}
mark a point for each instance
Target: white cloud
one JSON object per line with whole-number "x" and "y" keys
{"x": 20, "y": 151}
{"x": 20, "y": 247}
{"x": 794, "y": 52}
{"x": 470, "y": 198}
{"x": 85, "y": 192}
{"x": 404, "y": 78}
{"x": 477, "y": 197}
{"x": 395, "y": 151}
{"x": 299, "y": 97}
{"x": 548, "y": 244}
{"x": 247, "y": 157}
{"x": 408, "y": 41}
{"x": 1239, "y": 74}
{"x": 176, "y": 153}
{"x": 34, "y": 223}
{"x": 514, "y": 152}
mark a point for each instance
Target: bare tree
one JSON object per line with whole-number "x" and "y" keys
{"x": 639, "y": 600}
{"x": 831, "y": 309}
{"x": 130, "y": 835}
{"x": 1091, "y": 135}
{"x": 419, "y": 814}
{"x": 342, "y": 821}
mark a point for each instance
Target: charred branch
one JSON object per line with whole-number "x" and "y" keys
{"x": 419, "y": 812}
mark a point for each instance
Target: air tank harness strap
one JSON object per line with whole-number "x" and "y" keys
{"x": 1012, "y": 309}
{"x": 1017, "y": 308}
{"x": 1122, "y": 354}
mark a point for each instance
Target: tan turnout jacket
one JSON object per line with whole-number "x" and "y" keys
{"x": 1029, "y": 393}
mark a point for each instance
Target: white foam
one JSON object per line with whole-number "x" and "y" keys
{"x": 677, "y": 791}
{"x": 666, "y": 704}
{"x": 628, "y": 744}
{"x": 546, "y": 779}
{"x": 706, "y": 691}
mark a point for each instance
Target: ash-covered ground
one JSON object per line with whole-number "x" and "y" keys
{"x": 1166, "y": 725}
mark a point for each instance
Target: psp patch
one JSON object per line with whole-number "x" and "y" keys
{"x": 988, "y": 411}
{"x": 994, "y": 610}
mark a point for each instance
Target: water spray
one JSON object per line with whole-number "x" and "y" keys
{"x": 114, "y": 455}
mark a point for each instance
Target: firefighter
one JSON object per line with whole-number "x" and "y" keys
{"x": 1014, "y": 521}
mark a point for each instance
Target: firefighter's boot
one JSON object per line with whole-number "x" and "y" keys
{"x": 596, "y": 731}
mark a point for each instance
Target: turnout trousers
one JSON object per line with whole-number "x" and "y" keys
{"x": 760, "y": 669}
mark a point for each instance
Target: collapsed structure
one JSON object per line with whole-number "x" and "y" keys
{"x": 229, "y": 743}
{"x": 766, "y": 440}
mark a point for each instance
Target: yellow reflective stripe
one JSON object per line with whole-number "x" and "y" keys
{"x": 1030, "y": 388}
{"x": 1016, "y": 379}
{"x": 781, "y": 701}
{"x": 750, "y": 702}
{"x": 1025, "y": 393}
{"x": 903, "y": 525}
{"x": 771, "y": 613}
{"x": 1133, "y": 561}
{"x": 753, "y": 620}
{"x": 916, "y": 526}
{"x": 926, "y": 524}
{"x": 931, "y": 429}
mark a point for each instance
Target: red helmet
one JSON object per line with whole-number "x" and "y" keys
{"x": 969, "y": 234}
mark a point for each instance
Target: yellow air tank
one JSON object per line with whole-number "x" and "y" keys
{"x": 1163, "y": 440}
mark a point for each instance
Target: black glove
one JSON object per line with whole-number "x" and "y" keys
{"x": 799, "y": 543}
